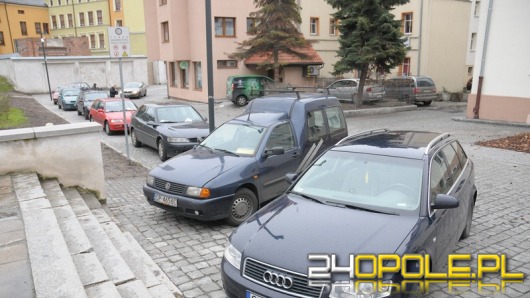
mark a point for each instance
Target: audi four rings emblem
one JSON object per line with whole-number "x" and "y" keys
{"x": 168, "y": 185}
{"x": 278, "y": 279}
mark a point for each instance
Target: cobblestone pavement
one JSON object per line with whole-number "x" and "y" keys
{"x": 190, "y": 251}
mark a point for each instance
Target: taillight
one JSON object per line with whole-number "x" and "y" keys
{"x": 416, "y": 90}
{"x": 369, "y": 89}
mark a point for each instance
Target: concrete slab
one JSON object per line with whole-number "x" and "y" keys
{"x": 160, "y": 291}
{"x": 101, "y": 215}
{"x": 10, "y": 224}
{"x": 6, "y": 185}
{"x": 90, "y": 269}
{"x": 54, "y": 193}
{"x": 15, "y": 280}
{"x": 12, "y": 237}
{"x": 106, "y": 289}
{"x": 38, "y": 203}
{"x": 24, "y": 180}
{"x": 8, "y": 200}
{"x": 91, "y": 201}
{"x": 66, "y": 129}
{"x": 133, "y": 289}
{"x": 76, "y": 201}
{"x": 29, "y": 193}
{"x": 13, "y": 252}
{"x": 16, "y": 134}
{"x": 75, "y": 237}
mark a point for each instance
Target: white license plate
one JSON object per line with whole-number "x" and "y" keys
{"x": 249, "y": 294}
{"x": 165, "y": 200}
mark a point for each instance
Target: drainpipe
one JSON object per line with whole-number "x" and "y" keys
{"x": 483, "y": 60}
{"x": 9, "y": 28}
{"x": 75, "y": 21}
{"x": 419, "y": 38}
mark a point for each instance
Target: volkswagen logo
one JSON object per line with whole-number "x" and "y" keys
{"x": 168, "y": 185}
{"x": 278, "y": 279}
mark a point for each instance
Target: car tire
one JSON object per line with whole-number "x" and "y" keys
{"x": 79, "y": 112}
{"x": 106, "y": 128}
{"x": 145, "y": 93}
{"x": 134, "y": 140}
{"x": 162, "y": 152}
{"x": 427, "y": 103}
{"x": 243, "y": 205}
{"x": 90, "y": 118}
{"x": 469, "y": 220}
{"x": 85, "y": 112}
{"x": 59, "y": 105}
{"x": 241, "y": 100}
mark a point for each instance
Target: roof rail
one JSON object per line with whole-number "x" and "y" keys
{"x": 361, "y": 134}
{"x": 442, "y": 136}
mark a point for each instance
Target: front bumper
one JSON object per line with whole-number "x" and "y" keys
{"x": 173, "y": 149}
{"x": 69, "y": 105}
{"x": 202, "y": 209}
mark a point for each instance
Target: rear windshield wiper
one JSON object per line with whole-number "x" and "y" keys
{"x": 226, "y": 151}
{"x": 356, "y": 207}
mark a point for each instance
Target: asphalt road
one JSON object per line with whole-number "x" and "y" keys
{"x": 190, "y": 251}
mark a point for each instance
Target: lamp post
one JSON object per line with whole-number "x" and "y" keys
{"x": 46, "y": 65}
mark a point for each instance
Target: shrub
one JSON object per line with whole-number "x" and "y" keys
{"x": 5, "y": 101}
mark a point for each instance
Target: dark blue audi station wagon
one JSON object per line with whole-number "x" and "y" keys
{"x": 377, "y": 192}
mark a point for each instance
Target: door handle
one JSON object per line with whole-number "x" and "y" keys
{"x": 296, "y": 154}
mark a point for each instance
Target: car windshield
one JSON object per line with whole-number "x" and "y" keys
{"x": 132, "y": 85}
{"x": 94, "y": 96}
{"x": 176, "y": 114}
{"x": 71, "y": 92}
{"x": 365, "y": 181}
{"x": 236, "y": 138}
{"x": 116, "y": 106}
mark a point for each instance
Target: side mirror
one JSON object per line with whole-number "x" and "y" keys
{"x": 100, "y": 110}
{"x": 274, "y": 151}
{"x": 152, "y": 123}
{"x": 290, "y": 177}
{"x": 444, "y": 202}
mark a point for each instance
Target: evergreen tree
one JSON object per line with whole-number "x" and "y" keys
{"x": 275, "y": 32}
{"x": 369, "y": 36}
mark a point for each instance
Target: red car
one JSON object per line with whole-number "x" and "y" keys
{"x": 109, "y": 113}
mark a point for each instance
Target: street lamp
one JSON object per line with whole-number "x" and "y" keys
{"x": 46, "y": 65}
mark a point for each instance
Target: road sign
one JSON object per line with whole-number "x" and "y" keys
{"x": 119, "y": 43}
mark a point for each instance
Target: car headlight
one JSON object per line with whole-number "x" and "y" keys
{"x": 150, "y": 180}
{"x": 198, "y": 192}
{"x": 135, "y": 91}
{"x": 116, "y": 120}
{"x": 233, "y": 256}
{"x": 368, "y": 289}
{"x": 177, "y": 140}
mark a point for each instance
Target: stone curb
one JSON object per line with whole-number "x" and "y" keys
{"x": 378, "y": 111}
{"x": 493, "y": 122}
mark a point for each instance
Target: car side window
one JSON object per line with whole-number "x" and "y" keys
{"x": 335, "y": 119}
{"x": 452, "y": 159}
{"x": 150, "y": 114}
{"x": 460, "y": 153}
{"x": 316, "y": 129}
{"x": 141, "y": 113}
{"x": 440, "y": 180}
{"x": 281, "y": 136}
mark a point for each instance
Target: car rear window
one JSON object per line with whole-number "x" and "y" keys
{"x": 425, "y": 82}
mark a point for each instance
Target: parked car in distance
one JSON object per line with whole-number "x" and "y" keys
{"x": 378, "y": 192}
{"x": 109, "y": 113}
{"x": 412, "y": 89}
{"x": 347, "y": 89}
{"x": 85, "y": 100}
{"x": 168, "y": 128}
{"x": 240, "y": 89}
{"x": 134, "y": 90}
{"x": 67, "y": 98}
{"x": 241, "y": 164}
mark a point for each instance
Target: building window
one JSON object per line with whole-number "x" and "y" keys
{"x": 20, "y": 12}
{"x": 51, "y": 2}
{"x": 165, "y": 32}
{"x": 70, "y": 20}
{"x": 225, "y": 27}
{"x": 54, "y": 22}
{"x": 313, "y": 26}
{"x": 476, "y": 11}
{"x": 2, "y": 40}
{"x": 406, "y": 67}
{"x": 119, "y": 23}
{"x": 470, "y": 70}
{"x": 23, "y": 28}
{"x": 407, "y": 23}
{"x": 173, "y": 74}
{"x": 92, "y": 41}
{"x": 252, "y": 23}
{"x": 45, "y": 27}
{"x": 99, "y": 14}
{"x": 59, "y": 1}
{"x": 473, "y": 42}
{"x": 197, "y": 69}
{"x": 38, "y": 28}
{"x": 226, "y": 63}
{"x": 82, "y": 19}
{"x": 163, "y": 2}
{"x": 61, "y": 21}
{"x": 184, "y": 74}
{"x": 117, "y": 5}
{"x": 333, "y": 24}
{"x": 101, "y": 41}
{"x": 90, "y": 18}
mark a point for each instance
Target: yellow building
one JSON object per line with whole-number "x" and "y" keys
{"x": 21, "y": 19}
{"x": 130, "y": 14}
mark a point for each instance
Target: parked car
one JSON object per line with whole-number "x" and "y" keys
{"x": 376, "y": 192}
{"x": 240, "y": 89}
{"x": 241, "y": 164}
{"x": 134, "y": 90}
{"x": 67, "y": 98}
{"x": 413, "y": 89}
{"x": 85, "y": 100}
{"x": 347, "y": 90}
{"x": 109, "y": 113}
{"x": 168, "y": 128}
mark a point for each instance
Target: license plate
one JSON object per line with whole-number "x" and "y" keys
{"x": 165, "y": 200}
{"x": 249, "y": 294}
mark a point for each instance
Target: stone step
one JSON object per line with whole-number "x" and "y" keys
{"x": 53, "y": 269}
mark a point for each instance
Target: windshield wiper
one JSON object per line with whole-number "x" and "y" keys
{"x": 168, "y": 121}
{"x": 356, "y": 207}
{"x": 208, "y": 148}
{"x": 226, "y": 151}
{"x": 306, "y": 197}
